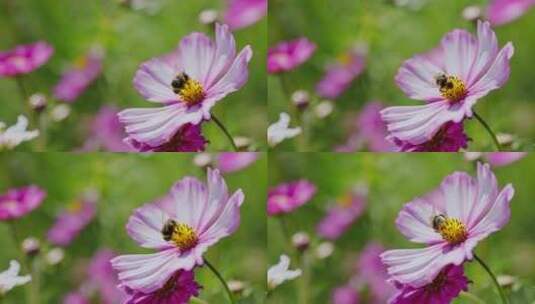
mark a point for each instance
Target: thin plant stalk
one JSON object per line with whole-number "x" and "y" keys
{"x": 494, "y": 280}
{"x": 221, "y": 280}
{"x": 489, "y": 130}
{"x": 224, "y": 129}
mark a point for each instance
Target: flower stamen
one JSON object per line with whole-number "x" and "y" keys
{"x": 452, "y": 230}
{"x": 182, "y": 235}
{"x": 189, "y": 90}
{"x": 451, "y": 87}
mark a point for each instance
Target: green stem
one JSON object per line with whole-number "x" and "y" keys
{"x": 223, "y": 282}
{"x": 494, "y": 280}
{"x": 489, "y": 130}
{"x": 303, "y": 285}
{"x": 222, "y": 127}
{"x": 36, "y": 281}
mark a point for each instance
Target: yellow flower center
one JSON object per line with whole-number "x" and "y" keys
{"x": 451, "y": 87}
{"x": 189, "y": 90}
{"x": 452, "y": 230}
{"x": 184, "y": 236}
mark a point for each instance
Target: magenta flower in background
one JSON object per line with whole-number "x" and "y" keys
{"x": 17, "y": 202}
{"x": 451, "y": 79}
{"x": 442, "y": 290}
{"x": 449, "y": 138}
{"x": 75, "y": 297}
{"x": 231, "y": 162}
{"x": 339, "y": 75}
{"x": 79, "y": 77}
{"x": 177, "y": 290}
{"x": 340, "y": 217}
{"x": 287, "y": 197}
{"x": 370, "y": 131}
{"x": 451, "y": 220}
{"x": 24, "y": 59}
{"x": 188, "y": 138}
{"x": 186, "y": 83}
{"x": 71, "y": 222}
{"x": 195, "y": 217}
{"x": 345, "y": 295}
{"x": 287, "y": 55}
{"x": 106, "y": 132}
{"x": 242, "y": 13}
{"x": 372, "y": 272}
{"x": 500, "y": 12}
{"x": 499, "y": 159}
{"x": 102, "y": 275}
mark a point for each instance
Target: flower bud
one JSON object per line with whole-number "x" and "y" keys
{"x": 324, "y": 250}
{"x": 55, "y": 256}
{"x": 38, "y": 102}
{"x": 242, "y": 142}
{"x": 301, "y": 99}
{"x": 208, "y": 16}
{"x": 60, "y": 112}
{"x": 301, "y": 241}
{"x": 236, "y": 286}
{"x": 472, "y": 13}
{"x": 202, "y": 160}
{"x": 31, "y": 246}
{"x": 323, "y": 109}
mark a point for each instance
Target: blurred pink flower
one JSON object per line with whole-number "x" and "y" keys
{"x": 79, "y": 77}
{"x": 372, "y": 272}
{"x": 345, "y": 295}
{"x": 499, "y": 159}
{"x": 181, "y": 227}
{"x": 231, "y": 161}
{"x": 370, "y": 131}
{"x": 504, "y": 11}
{"x": 188, "y": 138}
{"x": 442, "y": 290}
{"x": 451, "y": 220}
{"x": 186, "y": 83}
{"x": 75, "y": 297}
{"x": 285, "y": 198}
{"x": 177, "y": 290}
{"x": 242, "y": 13}
{"x": 339, "y": 76}
{"x": 17, "y": 202}
{"x": 451, "y": 78}
{"x": 449, "y": 138}
{"x": 71, "y": 222}
{"x": 106, "y": 132}
{"x": 340, "y": 217}
{"x": 287, "y": 55}
{"x": 101, "y": 275}
{"x": 24, "y": 59}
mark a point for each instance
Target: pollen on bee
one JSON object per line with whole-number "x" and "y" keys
{"x": 189, "y": 90}
{"x": 451, "y": 87}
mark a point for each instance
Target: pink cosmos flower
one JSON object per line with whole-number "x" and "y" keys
{"x": 345, "y": 295}
{"x": 287, "y": 55}
{"x": 340, "y": 217}
{"x": 71, "y": 222}
{"x": 101, "y": 275}
{"x": 78, "y": 78}
{"x": 372, "y": 272}
{"x": 181, "y": 227}
{"x": 187, "y": 83}
{"x": 177, "y": 290}
{"x": 287, "y": 197}
{"x": 106, "y": 132}
{"x": 339, "y": 76}
{"x": 442, "y": 290}
{"x": 499, "y": 159}
{"x": 370, "y": 131}
{"x": 449, "y": 138}
{"x": 451, "y": 78}
{"x": 231, "y": 162}
{"x": 451, "y": 220}
{"x": 23, "y": 59}
{"x": 17, "y": 202}
{"x": 242, "y": 13}
{"x": 188, "y": 138}
{"x": 504, "y": 11}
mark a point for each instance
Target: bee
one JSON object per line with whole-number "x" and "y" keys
{"x": 168, "y": 229}
{"x": 443, "y": 82}
{"x": 438, "y": 220}
{"x": 179, "y": 82}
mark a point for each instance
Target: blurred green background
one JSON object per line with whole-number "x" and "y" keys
{"x": 393, "y": 180}
{"x": 394, "y": 34}
{"x": 129, "y": 38}
{"x": 125, "y": 182}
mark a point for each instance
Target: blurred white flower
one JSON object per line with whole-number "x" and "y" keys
{"x": 279, "y": 131}
{"x": 202, "y": 159}
{"x": 10, "y": 278}
{"x": 55, "y": 256}
{"x": 324, "y": 250}
{"x": 16, "y": 134}
{"x": 324, "y": 109}
{"x": 60, "y": 112}
{"x": 208, "y": 16}
{"x": 278, "y": 274}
